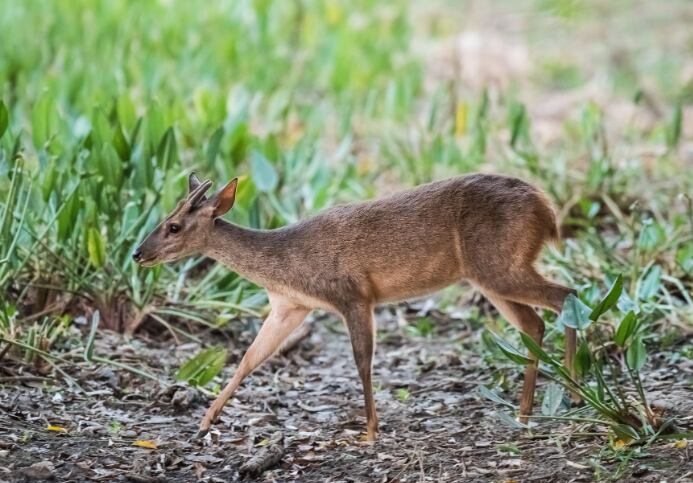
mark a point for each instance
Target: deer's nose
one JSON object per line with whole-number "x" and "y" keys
{"x": 137, "y": 256}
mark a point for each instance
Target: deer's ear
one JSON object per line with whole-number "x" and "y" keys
{"x": 193, "y": 182}
{"x": 224, "y": 199}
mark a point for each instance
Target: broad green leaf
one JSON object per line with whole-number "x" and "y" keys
{"x": 624, "y": 431}
{"x": 238, "y": 139}
{"x": 510, "y": 352}
{"x": 536, "y": 349}
{"x": 488, "y": 339}
{"x": 126, "y": 112}
{"x": 651, "y": 236}
{"x": 492, "y": 396}
{"x": 43, "y": 120}
{"x": 625, "y": 304}
{"x": 4, "y": 119}
{"x": 508, "y": 420}
{"x": 101, "y": 130}
{"x": 264, "y": 175}
{"x": 636, "y": 354}
{"x": 202, "y": 368}
{"x": 96, "y": 247}
{"x": 583, "y": 360}
{"x": 609, "y": 300}
{"x": 120, "y": 143}
{"x": 650, "y": 283}
{"x": 674, "y": 129}
{"x": 67, "y": 220}
{"x": 575, "y": 314}
{"x": 167, "y": 150}
{"x": 49, "y": 179}
{"x": 684, "y": 257}
{"x": 110, "y": 167}
{"x": 213, "y": 146}
{"x": 553, "y": 398}
{"x": 518, "y": 123}
{"x": 625, "y": 329}
{"x": 155, "y": 125}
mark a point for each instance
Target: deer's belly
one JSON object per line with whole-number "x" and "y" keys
{"x": 303, "y": 299}
{"x": 413, "y": 281}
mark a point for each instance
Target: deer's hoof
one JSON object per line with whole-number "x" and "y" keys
{"x": 201, "y": 433}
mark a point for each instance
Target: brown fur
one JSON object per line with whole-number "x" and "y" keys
{"x": 487, "y": 229}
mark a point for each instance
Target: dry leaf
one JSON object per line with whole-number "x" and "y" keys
{"x": 145, "y": 443}
{"x": 577, "y": 466}
{"x": 619, "y": 444}
{"x": 57, "y": 429}
{"x": 680, "y": 444}
{"x": 262, "y": 443}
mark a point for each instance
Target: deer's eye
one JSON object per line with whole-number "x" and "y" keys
{"x": 173, "y": 228}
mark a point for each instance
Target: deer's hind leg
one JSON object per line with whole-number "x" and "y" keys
{"x": 284, "y": 317}
{"x": 527, "y": 287}
{"x": 528, "y": 321}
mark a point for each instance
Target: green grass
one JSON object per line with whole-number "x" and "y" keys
{"x": 113, "y": 105}
{"x": 107, "y": 105}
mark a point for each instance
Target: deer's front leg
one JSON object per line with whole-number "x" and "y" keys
{"x": 359, "y": 320}
{"x": 282, "y": 320}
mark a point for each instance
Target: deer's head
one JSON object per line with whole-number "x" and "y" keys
{"x": 186, "y": 230}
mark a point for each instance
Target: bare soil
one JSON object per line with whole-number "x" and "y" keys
{"x": 301, "y": 414}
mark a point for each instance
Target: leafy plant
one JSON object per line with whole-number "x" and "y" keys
{"x": 403, "y": 394}
{"x": 599, "y": 384}
{"x": 422, "y": 328}
{"x": 30, "y": 342}
{"x": 203, "y": 367}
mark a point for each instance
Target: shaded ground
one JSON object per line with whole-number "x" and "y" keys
{"x": 433, "y": 425}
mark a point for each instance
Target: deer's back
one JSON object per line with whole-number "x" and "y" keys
{"x": 419, "y": 240}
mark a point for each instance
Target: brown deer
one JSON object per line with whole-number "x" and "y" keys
{"x": 483, "y": 228}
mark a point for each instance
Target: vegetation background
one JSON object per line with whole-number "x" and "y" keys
{"x": 106, "y": 106}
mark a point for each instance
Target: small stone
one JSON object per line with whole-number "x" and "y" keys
{"x": 41, "y": 470}
{"x": 110, "y": 377}
{"x": 448, "y": 360}
{"x": 183, "y": 398}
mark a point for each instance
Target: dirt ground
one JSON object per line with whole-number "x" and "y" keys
{"x": 305, "y": 407}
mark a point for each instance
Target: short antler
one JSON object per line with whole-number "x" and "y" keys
{"x": 193, "y": 182}
{"x": 198, "y": 194}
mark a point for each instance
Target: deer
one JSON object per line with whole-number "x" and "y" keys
{"x": 485, "y": 229}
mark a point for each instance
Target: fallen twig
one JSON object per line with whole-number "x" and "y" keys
{"x": 266, "y": 458}
{"x": 23, "y": 379}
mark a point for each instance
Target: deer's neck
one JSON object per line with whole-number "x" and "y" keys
{"x": 253, "y": 254}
